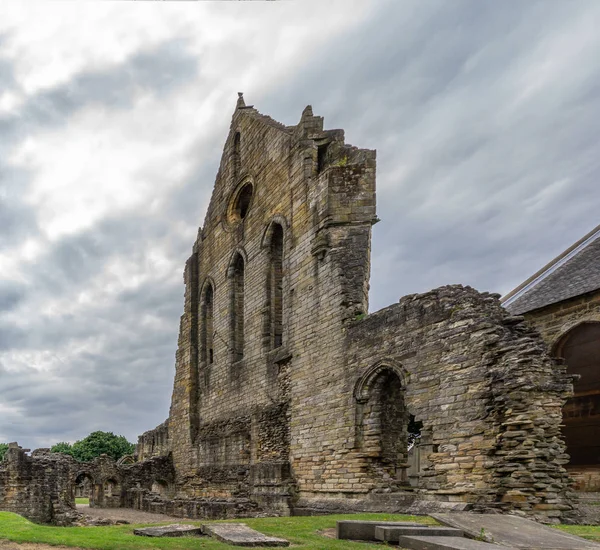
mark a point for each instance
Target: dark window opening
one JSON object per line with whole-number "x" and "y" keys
{"x": 414, "y": 430}
{"x": 321, "y": 156}
{"x": 207, "y": 327}
{"x": 275, "y": 286}
{"x": 243, "y": 201}
{"x": 580, "y": 349}
{"x": 236, "y": 156}
{"x": 237, "y": 320}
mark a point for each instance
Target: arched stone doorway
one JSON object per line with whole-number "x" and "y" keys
{"x": 83, "y": 485}
{"x": 385, "y": 430}
{"x": 580, "y": 348}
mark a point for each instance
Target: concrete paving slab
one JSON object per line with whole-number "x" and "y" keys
{"x": 391, "y": 534}
{"x": 356, "y": 529}
{"x": 446, "y": 543}
{"x": 239, "y": 534}
{"x": 515, "y": 532}
{"x": 174, "y": 530}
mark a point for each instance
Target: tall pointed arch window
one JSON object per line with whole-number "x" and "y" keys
{"x": 207, "y": 325}
{"x": 237, "y": 307}
{"x": 236, "y": 161}
{"x": 275, "y": 287}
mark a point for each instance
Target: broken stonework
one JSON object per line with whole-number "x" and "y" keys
{"x": 239, "y": 534}
{"x": 174, "y": 530}
{"x": 290, "y": 398}
{"x": 38, "y": 487}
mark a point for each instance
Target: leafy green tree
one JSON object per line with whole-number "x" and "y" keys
{"x": 98, "y": 443}
{"x": 3, "y": 449}
{"x": 62, "y": 447}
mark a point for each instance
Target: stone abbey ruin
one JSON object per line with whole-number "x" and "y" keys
{"x": 290, "y": 398}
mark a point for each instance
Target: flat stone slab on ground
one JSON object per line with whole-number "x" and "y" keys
{"x": 514, "y": 531}
{"x": 447, "y": 543}
{"x": 392, "y": 534}
{"x": 239, "y": 534}
{"x": 355, "y": 529}
{"x": 175, "y": 530}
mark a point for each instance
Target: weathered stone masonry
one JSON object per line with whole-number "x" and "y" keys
{"x": 39, "y": 487}
{"x": 42, "y": 486}
{"x": 288, "y": 397}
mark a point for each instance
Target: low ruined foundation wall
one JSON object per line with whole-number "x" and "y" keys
{"x": 38, "y": 487}
{"x": 234, "y": 491}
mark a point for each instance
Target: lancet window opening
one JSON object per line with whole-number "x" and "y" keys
{"x": 207, "y": 325}
{"x": 275, "y": 287}
{"x": 237, "y": 308}
{"x": 236, "y": 156}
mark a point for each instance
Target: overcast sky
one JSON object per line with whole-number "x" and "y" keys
{"x": 485, "y": 117}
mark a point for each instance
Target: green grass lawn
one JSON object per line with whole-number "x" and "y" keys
{"x": 591, "y": 532}
{"x": 82, "y": 501}
{"x": 302, "y": 532}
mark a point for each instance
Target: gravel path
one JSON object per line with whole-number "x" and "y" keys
{"x": 127, "y": 514}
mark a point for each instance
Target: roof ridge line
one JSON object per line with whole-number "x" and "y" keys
{"x": 551, "y": 266}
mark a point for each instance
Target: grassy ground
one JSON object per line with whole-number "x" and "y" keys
{"x": 82, "y": 501}
{"x": 591, "y": 532}
{"x": 302, "y": 532}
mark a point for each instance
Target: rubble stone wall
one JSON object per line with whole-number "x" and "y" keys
{"x": 487, "y": 394}
{"x": 38, "y": 487}
{"x": 288, "y": 396}
{"x": 307, "y": 421}
{"x": 154, "y": 442}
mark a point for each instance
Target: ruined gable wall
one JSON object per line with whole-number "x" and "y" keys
{"x": 242, "y": 431}
{"x": 251, "y": 415}
{"x": 230, "y": 415}
{"x": 488, "y": 395}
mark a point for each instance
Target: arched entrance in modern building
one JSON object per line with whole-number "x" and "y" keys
{"x": 580, "y": 348}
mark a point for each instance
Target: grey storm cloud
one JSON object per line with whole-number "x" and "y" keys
{"x": 487, "y": 167}
{"x": 443, "y": 82}
{"x": 158, "y": 70}
{"x": 11, "y": 295}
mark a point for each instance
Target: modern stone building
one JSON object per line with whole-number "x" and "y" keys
{"x": 289, "y": 397}
{"x": 562, "y": 301}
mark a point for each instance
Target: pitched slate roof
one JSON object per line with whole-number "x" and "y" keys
{"x": 574, "y": 272}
